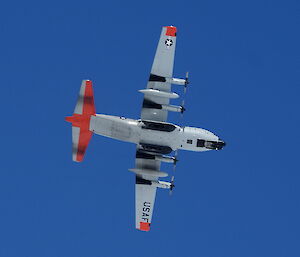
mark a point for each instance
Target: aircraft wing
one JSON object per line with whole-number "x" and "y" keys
{"x": 162, "y": 68}
{"x": 144, "y": 191}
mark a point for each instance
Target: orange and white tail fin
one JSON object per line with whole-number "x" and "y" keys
{"x": 84, "y": 109}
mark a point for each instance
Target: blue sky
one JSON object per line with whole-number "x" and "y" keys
{"x": 243, "y": 59}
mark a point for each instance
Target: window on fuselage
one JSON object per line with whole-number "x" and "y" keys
{"x": 200, "y": 142}
{"x": 189, "y": 141}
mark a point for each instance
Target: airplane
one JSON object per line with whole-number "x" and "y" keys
{"x": 154, "y": 137}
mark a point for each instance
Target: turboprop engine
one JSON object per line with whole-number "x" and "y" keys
{"x": 175, "y": 81}
{"x": 152, "y": 156}
{"x": 158, "y": 183}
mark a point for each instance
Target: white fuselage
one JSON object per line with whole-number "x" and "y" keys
{"x": 134, "y": 131}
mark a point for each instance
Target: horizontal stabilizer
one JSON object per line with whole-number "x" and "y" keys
{"x": 84, "y": 109}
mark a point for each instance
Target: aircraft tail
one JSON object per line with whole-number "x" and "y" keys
{"x": 84, "y": 109}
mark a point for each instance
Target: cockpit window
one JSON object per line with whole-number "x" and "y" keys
{"x": 189, "y": 141}
{"x": 200, "y": 142}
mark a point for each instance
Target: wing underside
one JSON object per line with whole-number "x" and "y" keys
{"x": 144, "y": 191}
{"x": 162, "y": 68}
{"x": 144, "y": 200}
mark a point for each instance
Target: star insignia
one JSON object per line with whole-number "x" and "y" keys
{"x": 168, "y": 42}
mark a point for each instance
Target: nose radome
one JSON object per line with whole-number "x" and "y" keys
{"x": 221, "y": 144}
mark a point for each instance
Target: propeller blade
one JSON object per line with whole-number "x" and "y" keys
{"x": 176, "y": 160}
{"x": 187, "y": 77}
{"x": 184, "y": 92}
{"x": 183, "y": 102}
{"x": 176, "y": 154}
{"x": 172, "y": 185}
{"x": 186, "y": 80}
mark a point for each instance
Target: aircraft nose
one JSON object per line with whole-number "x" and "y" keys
{"x": 221, "y": 144}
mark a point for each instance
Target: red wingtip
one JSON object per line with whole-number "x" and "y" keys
{"x": 144, "y": 226}
{"x": 171, "y": 31}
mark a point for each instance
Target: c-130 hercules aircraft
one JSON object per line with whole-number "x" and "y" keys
{"x": 154, "y": 137}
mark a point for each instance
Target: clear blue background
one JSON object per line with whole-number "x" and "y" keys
{"x": 243, "y": 58}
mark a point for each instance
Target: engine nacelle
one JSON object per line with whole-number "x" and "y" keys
{"x": 142, "y": 154}
{"x": 167, "y": 159}
{"x": 175, "y": 81}
{"x": 162, "y": 184}
{"x": 173, "y": 108}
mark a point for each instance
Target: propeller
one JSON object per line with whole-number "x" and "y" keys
{"x": 184, "y": 92}
{"x": 174, "y": 168}
{"x": 186, "y": 80}
{"x": 172, "y": 185}
{"x": 175, "y": 160}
